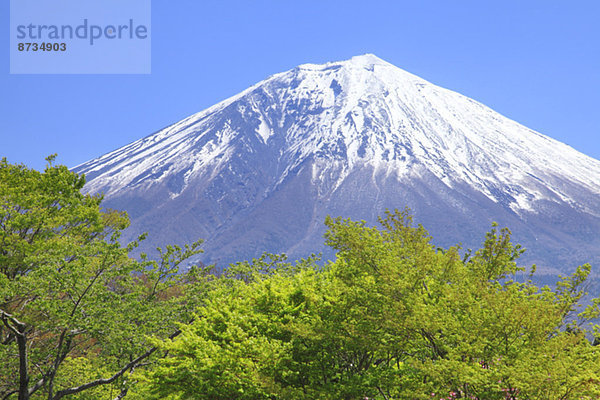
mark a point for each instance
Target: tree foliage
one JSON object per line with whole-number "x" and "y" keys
{"x": 75, "y": 310}
{"x": 393, "y": 317}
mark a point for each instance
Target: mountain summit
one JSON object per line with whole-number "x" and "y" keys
{"x": 261, "y": 170}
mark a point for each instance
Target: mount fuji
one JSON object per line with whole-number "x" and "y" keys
{"x": 261, "y": 170}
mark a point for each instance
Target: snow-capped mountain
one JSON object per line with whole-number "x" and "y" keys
{"x": 260, "y": 170}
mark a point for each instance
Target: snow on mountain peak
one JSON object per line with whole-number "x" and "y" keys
{"x": 365, "y": 61}
{"x": 362, "y": 111}
{"x": 368, "y": 59}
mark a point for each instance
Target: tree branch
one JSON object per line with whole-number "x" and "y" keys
{"x": 6, "y": 318}
{"x": 105, "y": 381}
{"x": 382, "y": 394}
{"x": 9, "y": 394}
{"x": 37, "y": 385}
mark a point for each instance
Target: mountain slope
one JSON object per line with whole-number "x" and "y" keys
{"x": 260, "y": 170}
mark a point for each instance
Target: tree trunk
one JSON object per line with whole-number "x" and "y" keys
{"x": 23, "y": 373}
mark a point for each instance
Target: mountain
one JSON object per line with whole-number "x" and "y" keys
{"x": 261, "y": 170}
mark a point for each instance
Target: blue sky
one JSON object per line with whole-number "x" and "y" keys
{"x": 537, "y": 62}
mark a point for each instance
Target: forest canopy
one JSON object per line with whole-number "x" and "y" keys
{"x": 392, "y": 317}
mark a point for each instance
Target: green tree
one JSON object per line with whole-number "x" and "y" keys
{"x": 239, "y": 345}
{"x": 393, "y": 317}
{"x": 75, "y": 310}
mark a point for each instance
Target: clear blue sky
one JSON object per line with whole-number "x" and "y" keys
{"x": 537, "y": 62}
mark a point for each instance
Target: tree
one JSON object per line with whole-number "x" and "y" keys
{"x": 69, "y": 294}
{"x": 393, "y": 317}
{"x": 238, "y": 346}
